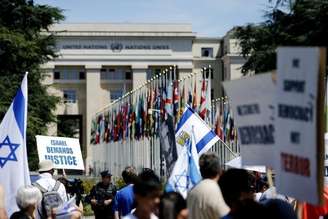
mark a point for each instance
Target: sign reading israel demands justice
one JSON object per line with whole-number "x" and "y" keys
{"x": 65, "y": 153}
{"x": 251, "y": 100}
{"x": 300, "y": 124}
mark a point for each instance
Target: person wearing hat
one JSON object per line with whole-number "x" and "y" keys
{"x": 102, "y": 195}
{"x": 48, "y": 183}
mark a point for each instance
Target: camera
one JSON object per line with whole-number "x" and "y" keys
{"x": 73, "y": 187}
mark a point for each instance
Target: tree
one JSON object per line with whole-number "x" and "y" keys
{"x": 289, "y": 23}
{"x": 23, "y": 47}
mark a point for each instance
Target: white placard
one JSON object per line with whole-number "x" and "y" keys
{"x": 326, "y": 159}
{"x": 65, "y": 153}
{"x": 296, "y": 122}
{"x": 251, "y": 100}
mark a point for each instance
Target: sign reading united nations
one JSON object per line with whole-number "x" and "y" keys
{"x": 117, "y": 46}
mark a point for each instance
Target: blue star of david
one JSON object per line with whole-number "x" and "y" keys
{"x": 11, "y": 156}
{"x": 179, "y": 184}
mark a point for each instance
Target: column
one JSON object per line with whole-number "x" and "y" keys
{"x": 139, "y": 75}
{"x": 48, "y": 81}
{"x": 93, "y": 104}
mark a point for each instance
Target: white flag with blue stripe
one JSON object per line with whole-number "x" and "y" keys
{"x": 14, "y": 170}
{"x": 205, "y": 138}
{"x": 185, "y": 174}
{"x": 193, "y": 138}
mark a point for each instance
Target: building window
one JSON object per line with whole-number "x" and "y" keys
{"x": 158, "y": 71}
{"x": 212, "y": 94}
{"x": 207, "y": 52}
{"x": 128, "y": 75}
{"x": 113, "y": 74}
{"x": 69, "y": 96}
{"x": 155, "y": 71}
{"x": 115, "y": 94}
{"x": 82, "y": 75}
{"x": 212, "y": 73}
{"x": 56, "y": 75}
{"x": 69, "y": 74}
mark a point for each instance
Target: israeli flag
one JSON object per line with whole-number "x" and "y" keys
{"x": 205, "y": 138}
{"x": 185, "y": 174}
{"x": 14, "y": 170}
{"x": 193, "y": 138}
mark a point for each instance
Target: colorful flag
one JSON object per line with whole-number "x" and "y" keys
{"x": 194, "y": 100}
{"x": 202, "y": 107}
{"x": 218, "y": 123}
{"x": 14, "y": 171}
{"x": 176, "y": 98}
{"x": 208, "y": 91}
{"x": 163, "y": 97}
{"x": 189, "y": 101}
{"x": 168, "y": 102}
{"x": 182, "y": 102}
{"x": 132, "y": 122}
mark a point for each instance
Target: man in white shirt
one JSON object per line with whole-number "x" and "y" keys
{"x": 47, "y": 182}
{"x": 205, "y": 200}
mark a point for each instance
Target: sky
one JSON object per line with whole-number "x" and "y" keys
{"x": 208, "y": 17}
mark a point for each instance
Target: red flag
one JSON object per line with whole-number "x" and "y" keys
{"x": 194, "y": 100}
{"x": 202, "y": 108}
{"x": 218, "y": 128}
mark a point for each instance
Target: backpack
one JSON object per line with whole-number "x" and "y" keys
{"x": 50, "y": 199}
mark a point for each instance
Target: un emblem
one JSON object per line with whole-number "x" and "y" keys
{"x": 116, "y": 47}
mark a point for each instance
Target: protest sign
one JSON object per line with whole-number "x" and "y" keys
{"x": 299, "y": 123}
{"x": 326, "y": 159}
{"x": 65, "y": 153}
{"x": 252, "y": 101}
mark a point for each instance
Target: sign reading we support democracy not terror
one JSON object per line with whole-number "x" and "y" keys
{"x": 299, "y": 123}
{"x": 252, "y": 102}
{"x": 65, "y": 153}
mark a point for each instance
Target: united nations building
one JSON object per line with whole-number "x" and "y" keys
{"x": 98, "y": 63}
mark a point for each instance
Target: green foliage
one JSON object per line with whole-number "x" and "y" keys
{"x": 67, "y": 127}
{"x": 119, "y": 182}
{"x": 303, "y": 23}
{"x": 88, "y": 184}
{"x": 87, "y": 211}
{"x": 23, "y": 48}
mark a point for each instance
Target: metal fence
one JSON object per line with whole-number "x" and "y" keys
{"x": 116, "y": 156}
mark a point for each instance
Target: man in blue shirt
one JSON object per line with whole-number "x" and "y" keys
{"x": 124, "y": 199}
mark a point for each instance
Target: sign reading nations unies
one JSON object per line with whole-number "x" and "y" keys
{"x": 300, "y": 123}
{"x": 65, "y": 153}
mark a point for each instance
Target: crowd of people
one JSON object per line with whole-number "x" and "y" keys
{"x": 231, "y": 194}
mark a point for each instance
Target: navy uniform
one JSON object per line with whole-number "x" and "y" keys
{"x": 102, "y": 192}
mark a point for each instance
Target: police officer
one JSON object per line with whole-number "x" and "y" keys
{"x": 101, "y": 197}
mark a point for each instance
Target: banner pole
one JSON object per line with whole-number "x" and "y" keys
{"x": 229, "y": 149}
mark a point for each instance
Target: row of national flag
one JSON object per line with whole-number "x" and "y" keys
{"x": 134, "y": 120}
{"x": 139, "y": 115}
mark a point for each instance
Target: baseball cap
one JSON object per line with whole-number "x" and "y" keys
{"x": 105, "y": 173}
